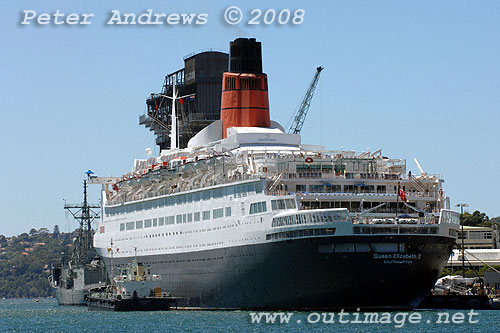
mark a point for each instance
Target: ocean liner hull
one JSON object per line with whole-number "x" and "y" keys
{"x": 314, "y": 273}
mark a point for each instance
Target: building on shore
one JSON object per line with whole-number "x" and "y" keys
{"x": 482, "y": 248}
{"x": 479, "y": 238}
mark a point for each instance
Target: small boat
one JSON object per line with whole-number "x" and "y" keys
{"x": 135, "y": 289}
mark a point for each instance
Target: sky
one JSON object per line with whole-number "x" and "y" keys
{"x": 415, "y": 78}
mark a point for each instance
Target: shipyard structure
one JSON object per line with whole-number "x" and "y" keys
{"x": 201, "y": 82}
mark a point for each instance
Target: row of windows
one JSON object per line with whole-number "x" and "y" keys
{"x": 329, "y": 188}
{"x": 176, "y": 219}
{"x": 310, "y": 218}
{"x": 258, "y": 207}
{"x": 301, "y": 233}
{"x": 237, "y": 191}
{"x": 283, "y": 204}
{"x": 396, "y": 230}
{"x": 476, "y": 235}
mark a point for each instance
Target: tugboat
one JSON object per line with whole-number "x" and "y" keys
{"x": 135, "y": 289}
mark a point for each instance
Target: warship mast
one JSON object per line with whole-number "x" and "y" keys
{"x": 85, "y": 214}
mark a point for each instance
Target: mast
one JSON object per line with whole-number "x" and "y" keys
{"x": 111, "y": 261}
{"x": 85, "y": 214}
{"x": 173, "y": 132}
{"x": 397, "y": 201}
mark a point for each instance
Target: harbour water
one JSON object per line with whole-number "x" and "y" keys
{"x": 27, "y": 315}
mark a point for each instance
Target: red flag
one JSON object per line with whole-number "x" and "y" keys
{"x": 402, "y": 195}
{"x": 115, "y": 187}
{"x": 181, "y": 101}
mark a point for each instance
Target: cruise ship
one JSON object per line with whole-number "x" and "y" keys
{"x": 249, "y": 217}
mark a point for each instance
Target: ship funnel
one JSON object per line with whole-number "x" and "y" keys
{"x": 245, "y": 101}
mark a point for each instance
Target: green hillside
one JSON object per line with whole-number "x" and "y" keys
{"x": 25, "y": 261}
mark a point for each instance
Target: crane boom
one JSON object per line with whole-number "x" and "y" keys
{"x": 300, "y": 115}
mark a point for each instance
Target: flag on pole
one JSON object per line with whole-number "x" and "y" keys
{"x": 402, "y": 194}
{"x": 181, "y": 101}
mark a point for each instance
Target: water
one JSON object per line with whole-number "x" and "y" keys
{"x": 26, "y": 315}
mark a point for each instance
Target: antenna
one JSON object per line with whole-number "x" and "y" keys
{"x": 173, "y": 132}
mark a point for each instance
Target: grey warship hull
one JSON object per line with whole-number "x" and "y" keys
{"x": 70, "y": 296}
{"x": 71, "y": 285}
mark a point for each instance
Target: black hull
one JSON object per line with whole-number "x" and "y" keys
{"x": 456, "y": 302}
{"x": 304, "y": 274}
{"x": 133, "y": 304}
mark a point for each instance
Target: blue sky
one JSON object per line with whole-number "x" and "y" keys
{"x": 416, "y": 78}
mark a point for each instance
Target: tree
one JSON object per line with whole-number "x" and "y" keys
{"x": 33, "y": 232}
{"x": 475, "y": 219}
{"x": 56, "y": 232}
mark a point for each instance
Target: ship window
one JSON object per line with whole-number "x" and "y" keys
{"x": 281, "y": 204}
{"x": 228, "y": 211}
{"x": 196, "y": 196}
{"x": 148, "y": 205}
{"x": 161, "y": 202}
{"x": 190, "y": 217}
{"x": 196, "y": 216}
{"x": 218, "y": 193}
{"x": 170, "y": 219}
{"x": 258, "y": 187}
{"x": 138, "y": 224}
{"x": 154, "y": 203}
{"x": 130, "y": 225}
{"x": 290, "y": 203}
{"x": 218, "y": 213}
{"x": 147, "y": 223}
{"x": 274, "y": 205}
{"x": 258, "y": 207}
{"x": 206, "y": 215}
{"x": 205, "y": 195}
{"x": 178, "y": 219}
{"x": 122, "y": 226}
{"x": 161, "y": 221}
{"x": 184, "y": 218}
{"x": 251, "y": 188}
{"x": 155, "y": 222}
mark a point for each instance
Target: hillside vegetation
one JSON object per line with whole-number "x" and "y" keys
{"x": 25, "y": 261}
